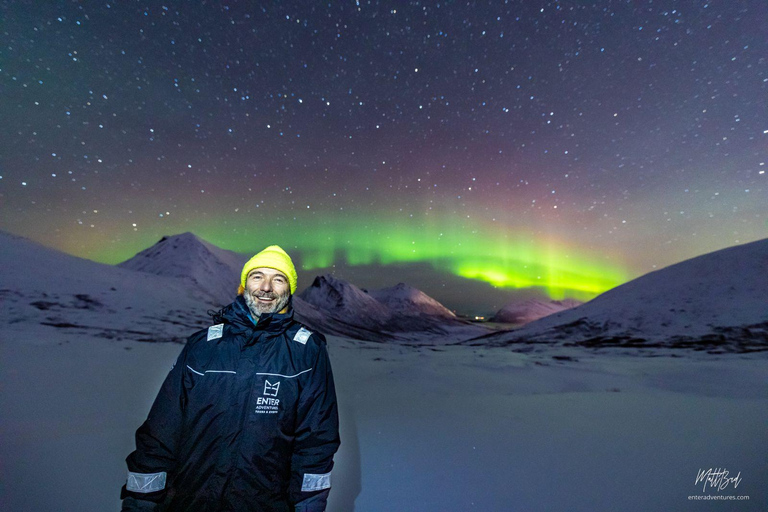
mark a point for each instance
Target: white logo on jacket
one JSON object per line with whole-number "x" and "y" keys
{"x": 271, "y": 389}
{"x": 268, "y": 405}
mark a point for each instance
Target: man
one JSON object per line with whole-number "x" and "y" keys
{"x": 247, "y": 419}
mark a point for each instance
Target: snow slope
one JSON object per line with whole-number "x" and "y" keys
{"x": 718, "y": 301}
{"x": 212, "y": 270}
{"x": 47, "y": 291}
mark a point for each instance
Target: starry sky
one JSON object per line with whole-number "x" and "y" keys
{"x": 569, "y": 146}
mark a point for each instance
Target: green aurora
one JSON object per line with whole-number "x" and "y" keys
{"x": 461, "y": 248}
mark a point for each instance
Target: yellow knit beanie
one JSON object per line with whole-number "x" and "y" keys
{"x": 271, "y": 257}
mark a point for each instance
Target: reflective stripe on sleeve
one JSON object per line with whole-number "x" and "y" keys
{"x": 316, "y": 482}
{"x": 145, "y": 482}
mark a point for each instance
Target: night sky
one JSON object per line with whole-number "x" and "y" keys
{"x": 568, "y": 145}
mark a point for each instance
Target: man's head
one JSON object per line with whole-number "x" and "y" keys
{"x": 267, "y": 281}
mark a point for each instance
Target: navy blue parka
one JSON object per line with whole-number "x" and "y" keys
{"x": 246, "y": 420}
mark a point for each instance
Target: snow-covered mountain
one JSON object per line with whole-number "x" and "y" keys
{"x": 527, "y": 311}
{"x": 329, "y": 305}
{"x": 43, "y": 290}
{"x": 164, "y": 293}
{"x": 401, "y": 312}
{"x": 407, "y": 300}
{"x": 717, "y": 302}
{"x": 344, "y": 300}
{"x": 213, "y": 270}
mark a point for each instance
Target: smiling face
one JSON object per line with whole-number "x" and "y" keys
{"x": 266, "y": 291}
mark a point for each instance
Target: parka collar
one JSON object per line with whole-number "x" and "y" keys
{"x": 239, "y": 317}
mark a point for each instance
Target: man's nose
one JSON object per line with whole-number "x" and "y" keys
{"x": 266, "y": 285}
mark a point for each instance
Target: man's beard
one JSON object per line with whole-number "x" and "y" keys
{"x": 257, "y": 309}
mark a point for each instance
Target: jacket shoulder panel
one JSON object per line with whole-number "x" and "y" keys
{"x": 208, "y": 339}
{"x": 302, "y": 335}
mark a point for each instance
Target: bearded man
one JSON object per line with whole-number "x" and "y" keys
{"x": 247, "y": 418}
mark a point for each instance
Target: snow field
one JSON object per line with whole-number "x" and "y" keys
{"x": 423, "y": 428}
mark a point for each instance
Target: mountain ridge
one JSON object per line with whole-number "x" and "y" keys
{"x": 399, "y": 312}
{"x": 717, "y": 301}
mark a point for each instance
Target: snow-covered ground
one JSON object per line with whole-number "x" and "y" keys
{"x": 423, "y": 428}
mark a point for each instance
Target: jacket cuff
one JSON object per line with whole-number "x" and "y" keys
{"x": 131, "y": 504}
{"x": 315, "y": 503}
{"x": 150, "y": 497}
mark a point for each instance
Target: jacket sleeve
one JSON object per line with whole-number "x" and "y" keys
{"x": 316, "y": 437}
{"x": 152, "y": 464}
